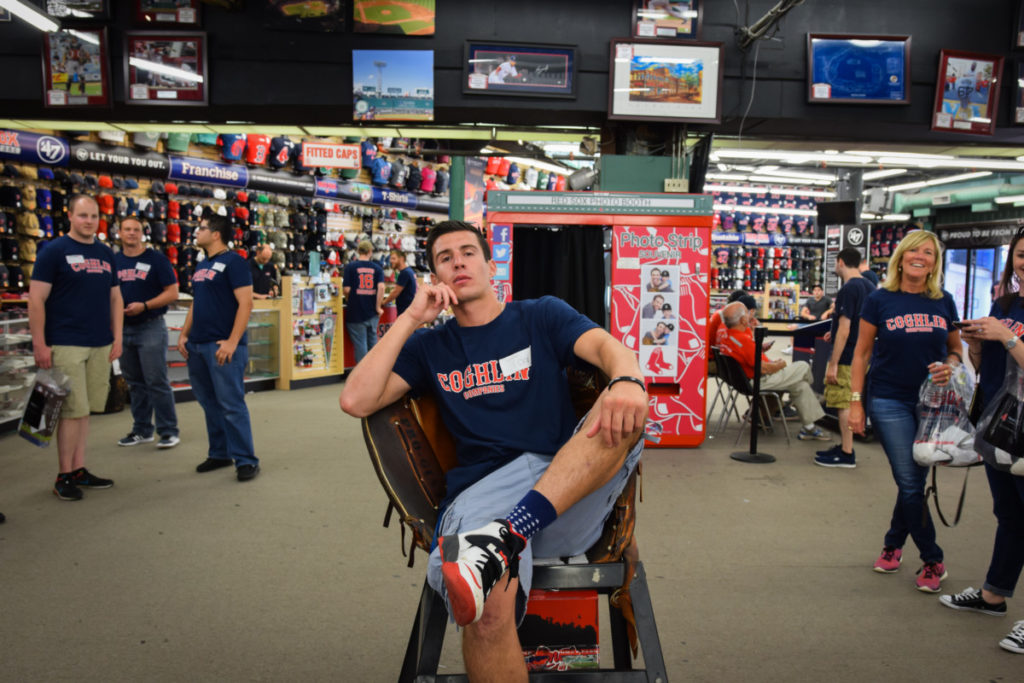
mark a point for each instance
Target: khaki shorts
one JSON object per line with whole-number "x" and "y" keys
{"x": 838, "y": 395}
{"x": 88, "y": 369}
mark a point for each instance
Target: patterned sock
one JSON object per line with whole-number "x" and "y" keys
{"x": 531, "y": 514}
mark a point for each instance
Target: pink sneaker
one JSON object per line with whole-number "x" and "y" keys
{"x": 930, "y": 576}
{"x": 889, "y": 561}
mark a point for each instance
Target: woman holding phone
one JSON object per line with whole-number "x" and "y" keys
{"x": 992, "y": 343}
{"x": 906, "y": 336}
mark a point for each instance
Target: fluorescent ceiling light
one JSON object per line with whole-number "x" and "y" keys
{"x": 896, "y": 217}
{"x": 63, "y": 125}
{"x": 761, "y": 189}
{"x": 868, "y": 216}
{"x": 765, "y": 209}
{"x": 807, "y": 175}
{"x": 884, "y": 173}
{"x": 909, "y": 155}
{"x": 785, "y": 179}
{"x": 163, "y": 128}
{"x": 938, "y": 181}
{"x": 254, "y": 129}
{"x": 172, "y": 71}
{"x": 727, "y": 176}
{"x": 27, "y": 13}
{"x": 1013, "y": 199}
{"x": 794, "y": 157}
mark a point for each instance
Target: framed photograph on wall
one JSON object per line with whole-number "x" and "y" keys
{"x": 325, "y": 16}
{"x": 519, "y": 69}
{"x": 967, "y": 92}
{"x": 167, "y": 12}
{"x": 395, "y": 18}
{"x": 78, "y": 10}
{"x": 853, "y": 68}
{"x": 659, "y": 80}
{"x": 1018, "y": 94}
{"x": 76, "y": 68}
{"x": 393, "y": 85}
{"x": 165, "y": 68}
{"x": 670, "y": 19}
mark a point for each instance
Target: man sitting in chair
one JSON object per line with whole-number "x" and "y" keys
{"x": 736, "y": 340}
{"x": 526, "y": 484}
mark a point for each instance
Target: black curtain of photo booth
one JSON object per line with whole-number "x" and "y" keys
{"x": 563, "y": 261}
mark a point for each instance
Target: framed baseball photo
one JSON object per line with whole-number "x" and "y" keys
{"x": 167, "y": 12}
{"x": 394, "y": 17}
{"x": 670, "y": 19}
{"x": 165, "y": 68}
{"x": 1018, "y": 27}
{"x": 324, "y": 16}
{"x": 967, "y": 92}
{"x": 853, "y": 69}
{"x": 78, "y": 10}
{"x": 393, "y": 85}
{"x": 660, "y": 80}
{"x": 76, "y": 68}
{"x": 519, "y": 69}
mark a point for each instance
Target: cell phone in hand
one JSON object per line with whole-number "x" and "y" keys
{"x": 959, "y": 324}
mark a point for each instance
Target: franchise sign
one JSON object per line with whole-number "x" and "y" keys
{"x": 202, "y": 171}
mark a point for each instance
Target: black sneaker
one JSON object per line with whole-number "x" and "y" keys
{"x": 2, "y": 518}
{"x": 970, "y": 599}
{"x": 134, "y": 439}
{"x": 247, "y": 472}
{"x": 82, "y": 477}
{"x": 1014, "y": 641}
{"x": 168, "y": 441}
{"x": 211, "y": 464}
{"x": 473, "y": 562}
{"x": 65, "y": 488}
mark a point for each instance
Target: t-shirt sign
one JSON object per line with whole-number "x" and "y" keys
{"x": 912, "y": 334}
{"x": 81, "y": 277}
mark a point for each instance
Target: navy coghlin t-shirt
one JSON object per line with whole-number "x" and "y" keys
{"x": 993, "y": 354}
{"x": 362, "y": 277}
{"x": 912, "y": 333}
{"x": 142, "y": 278}
{"x": 213, "y": 288}
{"x": 849, "y": 302}
{"x": 501, "y": 387}
{"x": 81, "y": 277}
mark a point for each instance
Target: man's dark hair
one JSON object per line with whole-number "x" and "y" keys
{"x": 736, "y": 294}
{"x": 446, "y": 227}
{"x": 748, "y": 301}
{"x": 850, "y": 257}
{"x": 220, "y": 225}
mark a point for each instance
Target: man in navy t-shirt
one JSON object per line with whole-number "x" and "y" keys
{"x": 148, "y": 286}
{"x": 497, "y": 372}
{"x": 75, "y": 316}
{"x": 363, "y": 285}
{"x": 405, "y": 283}
{"x": 214, "y": 343}
{"x": 845, "y": 326}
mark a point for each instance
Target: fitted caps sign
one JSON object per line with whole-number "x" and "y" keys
{"x": 331, "y": 156}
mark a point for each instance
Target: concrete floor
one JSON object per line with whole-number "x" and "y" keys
{"x": 758, "y": 572}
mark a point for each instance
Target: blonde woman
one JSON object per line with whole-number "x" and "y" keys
{"x": 906, "y": 335}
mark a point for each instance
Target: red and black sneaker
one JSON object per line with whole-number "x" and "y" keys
{"x": 473, "y": 562}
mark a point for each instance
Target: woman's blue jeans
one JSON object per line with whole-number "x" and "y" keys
{"x": 895, "y": 423}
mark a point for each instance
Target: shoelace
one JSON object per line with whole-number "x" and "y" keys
{"x": 969, "y": 594}
{"x": 930, "y": 571}
{"x": 1017, "y": 632}
{"x": 888, "y": 555}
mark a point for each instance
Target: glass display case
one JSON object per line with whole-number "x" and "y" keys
{"x": 17, "y": 365}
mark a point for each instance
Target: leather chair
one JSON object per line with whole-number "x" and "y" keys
{"x": 411, "y": 450}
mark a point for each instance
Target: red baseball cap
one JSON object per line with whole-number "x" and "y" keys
{"x": 171, "y": 188}
{"x": 106, "y": 181}
{"x": 106, "y": 203}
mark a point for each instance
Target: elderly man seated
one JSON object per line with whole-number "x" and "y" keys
{"x": 736, "y": 340}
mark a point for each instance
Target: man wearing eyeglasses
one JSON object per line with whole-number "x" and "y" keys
{"x": 214, "y": 343}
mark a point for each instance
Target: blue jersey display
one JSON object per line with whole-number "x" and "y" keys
{"x": 142, "y": 278}
{"x": 81, "y": 277}
{"x": 912, "y": 333}
{"x": 501, "y": 387}
{"x": 849, "y": 302}
{"x": 213, "y": 287}
{"x": 993, "y": 367}
{"x": 380, "y": 171}
{"x": 362, "y": 278}
{"x": 407, "y": 281}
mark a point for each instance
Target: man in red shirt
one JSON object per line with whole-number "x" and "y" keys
{"x": 736, "y": 340}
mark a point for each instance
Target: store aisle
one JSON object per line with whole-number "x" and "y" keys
{"x": 758, "y": 572}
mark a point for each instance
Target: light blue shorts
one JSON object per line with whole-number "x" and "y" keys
{"x": 494, "y": 496}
